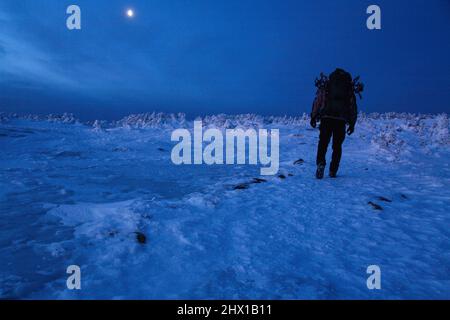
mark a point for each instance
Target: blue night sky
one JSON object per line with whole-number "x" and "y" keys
{"x": 212, "y": 56}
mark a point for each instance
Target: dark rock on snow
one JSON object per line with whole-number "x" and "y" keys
{"x": 258, "y": 180}
{"x": 375, "y": 206}
{"x": 241, "y": 186}
{"x": 140, "y": 237}
{"x": 384, "y": 199}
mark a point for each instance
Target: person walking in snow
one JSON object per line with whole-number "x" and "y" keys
{"x": 335, "y": 107}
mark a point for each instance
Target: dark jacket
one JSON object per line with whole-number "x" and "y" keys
{"x": 320, "y": 110}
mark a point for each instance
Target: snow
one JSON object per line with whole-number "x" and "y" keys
{"x": 78, "y": 193}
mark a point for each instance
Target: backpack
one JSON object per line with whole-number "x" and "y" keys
{"x": 340, "y": 90}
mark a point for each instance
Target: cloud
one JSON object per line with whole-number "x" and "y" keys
{"x": 26, "y": 61}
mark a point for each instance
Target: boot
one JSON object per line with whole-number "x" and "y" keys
{"x": 319, "y": 171}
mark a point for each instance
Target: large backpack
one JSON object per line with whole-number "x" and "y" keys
{"x": 339, "y": 94}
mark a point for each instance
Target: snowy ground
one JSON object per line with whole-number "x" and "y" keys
{"x": 73, "y": 193}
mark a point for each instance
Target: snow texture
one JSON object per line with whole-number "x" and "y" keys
{"x": 82, "y": 193}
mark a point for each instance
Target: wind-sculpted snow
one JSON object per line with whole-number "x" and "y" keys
{"x": 86, "y": 193}
{"x": 152, "y": 120}
{"x": 409, "y": 121}
{"x": 61, "y": 118}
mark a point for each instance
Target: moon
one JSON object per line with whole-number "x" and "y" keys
{"x": 130, "y": 13}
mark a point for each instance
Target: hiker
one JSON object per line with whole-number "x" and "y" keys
{"x": 335, "y": 107}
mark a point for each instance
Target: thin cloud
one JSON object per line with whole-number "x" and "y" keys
{"x": 26, "y": 61}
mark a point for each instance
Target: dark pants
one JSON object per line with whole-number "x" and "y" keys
{"x": 331, "y": 128}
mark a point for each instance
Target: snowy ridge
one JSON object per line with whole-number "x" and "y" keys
{"x": 160, "y": 119}
{"x": 386, "y": 130}
{"x": 391, "y": 133}
{"x": 151, "y": 120}
{"x": 61, "y": 118}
